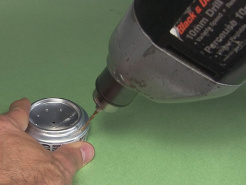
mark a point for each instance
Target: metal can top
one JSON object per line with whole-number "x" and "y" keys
{"x": 56, "y": 120}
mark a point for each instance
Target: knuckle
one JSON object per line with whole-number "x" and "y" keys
{"x": 4, "y": 122}
{"x": 3, "y": 119}
{"x": 13, "y": 119}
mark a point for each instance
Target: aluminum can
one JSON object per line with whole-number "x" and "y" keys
{"x": 55, "y": 121}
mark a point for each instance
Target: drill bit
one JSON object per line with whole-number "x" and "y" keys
{"x": 89, "y": 120}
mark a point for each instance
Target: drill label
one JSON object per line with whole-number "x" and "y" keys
{"x": 215, "y": 28}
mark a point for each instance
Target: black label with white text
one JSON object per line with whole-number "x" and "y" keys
{"x": 214, "y": 28}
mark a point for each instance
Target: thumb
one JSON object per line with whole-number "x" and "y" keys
{"x": 74, "y": 156}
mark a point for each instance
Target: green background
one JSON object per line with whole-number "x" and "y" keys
{"x": 57, "y": 48}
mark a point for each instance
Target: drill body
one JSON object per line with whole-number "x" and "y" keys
{"x": 174, "y": 51}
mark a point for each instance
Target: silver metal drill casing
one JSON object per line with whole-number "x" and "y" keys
{"x": 137, "y": 65}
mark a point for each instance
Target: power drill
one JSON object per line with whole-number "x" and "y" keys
{"x": 174, "y": 51}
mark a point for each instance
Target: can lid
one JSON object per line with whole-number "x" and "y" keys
{"x": 56, "y": 119}
{"x": 54, "y": 114}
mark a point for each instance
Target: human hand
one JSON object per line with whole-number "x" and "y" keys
{"x": 24, "y": 161}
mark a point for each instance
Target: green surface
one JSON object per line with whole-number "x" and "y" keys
{"x": 58, "y": 48}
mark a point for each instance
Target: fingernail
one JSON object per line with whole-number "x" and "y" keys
{"x": 87, "y": 151}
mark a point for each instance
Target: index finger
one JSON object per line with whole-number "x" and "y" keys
{"x": 18, "y": 114}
